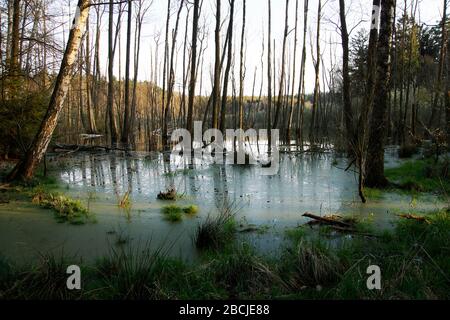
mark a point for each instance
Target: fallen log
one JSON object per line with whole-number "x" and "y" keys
{"x": 328, "y": 221}
{"x": 83, "y": 148}
{"x": 413, "y": 217}
{"x": 353, "y": 231}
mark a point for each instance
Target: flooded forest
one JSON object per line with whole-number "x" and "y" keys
{"x": 212, "y": 149}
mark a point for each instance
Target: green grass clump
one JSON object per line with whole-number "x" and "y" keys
{"x": 173, "y": 213}
{"x": 215, "y": 232}
{"x": 191, "y": 210}
{"x": 421, "y": 176}
{"x": 132, "y": 274}
{"x": 65, "y": 208}
{"x": 373, "y": 194}
{"x": 45, "y": 279}
{"x": 124, "y": 201}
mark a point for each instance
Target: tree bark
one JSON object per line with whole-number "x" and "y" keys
{"x": 291, "y": 106}
{"x": 15, "y": 39}
{"x": 312, "y": 129}
{"x": 193, "y": 79}
{"x": 346, "y": 83}
{"x": 26, "y": 167}
{"x": 375, "y": 167}
{"x": 171, "y": 76}
{"x": 442, "y": 55}
{"x": 110, "y": 99}
{"x": 361, "y": 146}
{"x": 241, "y": 71}
{"x": 269, "y": 75}
{"x": 217, "y": 69}
{"x": 301, "y": 85}
{"x": 227, "y": 68}
{"x": 283, "y": 68}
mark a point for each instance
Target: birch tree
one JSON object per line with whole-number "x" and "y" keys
{"x": 27, "y": 166}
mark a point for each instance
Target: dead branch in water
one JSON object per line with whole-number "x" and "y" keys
{"x": 72, "y": 148}
{"x": 327, "y": 220}
{"x": 335, "y": 224}
{"x": 413, "y": 217}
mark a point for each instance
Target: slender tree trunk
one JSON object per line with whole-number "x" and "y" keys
{"x": 269, "y": 75}
{"x": 442, "y": 55}
{"x": 90, "y": 112}
{"x": 346, "y": 82}
{"x": 26, "y": 167}
{"x": 127, "y": 114}
{"x": 227, "y": 68}
{"x": 217, "y": 69}
{"x": 165, "y": 66}
{"x": 313, "y": 125}
{"x": 301, "y": 86}
{"x": 110, "y": 99}
{"x": 193, "y": 79}
{"x": 283, "y": 68}
{"x": 171, "y": 83}
{"x": 15, "y": 39}
{"x": 241, "y": 71}
{"x": 291, "y": 107}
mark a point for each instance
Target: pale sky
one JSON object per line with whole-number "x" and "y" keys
{"x": 429, "y": 11}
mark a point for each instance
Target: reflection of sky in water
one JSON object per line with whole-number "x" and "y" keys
{"x": 306, "y": 182}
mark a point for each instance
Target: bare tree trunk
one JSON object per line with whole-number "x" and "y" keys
{"x": 269, "y": 75}
{"x": 361, "y": 147}
{"x": 242, "y": 71}
{"x": 442, "y": 55}
{"x": 171, "y": 77}
{"x": 165, "y": 65}
{"x": 127, "y": 116}
{"x": 15, "y": 39}
{"x": 291, "y": 107}
{"x": 283, "y": 68}
{"x": 26, "y": 167}
{"x": 193, "y": 79}
{"x": 375, "y": 167}
{"x": 137, "y": 52}
{"x": 90, "y": 112}
{"x": 346, "y": 83}
{"x": 217, "y": 69}
{"x": 312, "y": 128}
{"x": 227, "y": 68}
{"x": 301, "y": 86}
{"x": 110, "y": 99}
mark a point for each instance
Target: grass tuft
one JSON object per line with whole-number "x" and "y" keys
{"x": 65, "y": 208}
{"x": 173, "y": 213}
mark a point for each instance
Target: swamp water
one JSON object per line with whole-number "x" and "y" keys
{"x": 266, "y": 205}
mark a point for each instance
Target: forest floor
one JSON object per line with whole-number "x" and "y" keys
{"x": 317, "y": 261}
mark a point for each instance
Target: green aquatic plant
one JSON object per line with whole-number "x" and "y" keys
{"x": 133, "y": 273}
{"x": 65, "y": 208}
{"x": 215, "y": 231}
{"x": 421, "y": 176}
{"x": 191, "y": 210}
{"x": 124, "y": 201}
{"x": 373, "y": 194}
{"x": 173, "y": 213}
